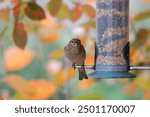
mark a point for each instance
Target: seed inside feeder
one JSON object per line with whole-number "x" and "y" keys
{"x": 112, "y": 32}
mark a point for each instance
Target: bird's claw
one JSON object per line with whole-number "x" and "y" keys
{"x": 73, "y": 66}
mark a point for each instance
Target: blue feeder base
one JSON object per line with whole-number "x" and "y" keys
{"x": 111, "y": 74}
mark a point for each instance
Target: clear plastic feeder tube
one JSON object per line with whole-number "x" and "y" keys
{"x": 112, "y": 35}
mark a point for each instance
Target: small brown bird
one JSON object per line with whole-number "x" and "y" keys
{"x": 76, "y": 53}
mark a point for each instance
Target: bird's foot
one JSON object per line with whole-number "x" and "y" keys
{"x": 74, "y": 66}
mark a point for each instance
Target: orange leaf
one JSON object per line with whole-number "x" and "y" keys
{"x": 33, "y": 89}
{"x": 134, "y": 55}
{"x": 89, "y": 10}
{"x": 49, "y": 38}
{"x": 16, "y": 10}
{"x": 43, "y": 89}
{"x": 76, "y": 13}
{"x": 89, "y": 60}
{"x": 4, "y": 15}
{"x": 19, "y": 84}
{"x": 16, "y": 59}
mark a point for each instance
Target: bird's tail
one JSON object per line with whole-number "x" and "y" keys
{"x": 82, "y": 73}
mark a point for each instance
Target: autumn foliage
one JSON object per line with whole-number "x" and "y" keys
{"x": 33, "y": 34}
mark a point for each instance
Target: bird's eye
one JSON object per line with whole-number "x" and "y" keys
{"x": 71, "y": 41}
{"x": 75, "y": 44}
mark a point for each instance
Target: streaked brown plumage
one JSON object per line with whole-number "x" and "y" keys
{"x": 76, "y": 53}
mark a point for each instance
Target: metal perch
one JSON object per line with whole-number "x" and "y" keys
{"x": 131, "y": 67}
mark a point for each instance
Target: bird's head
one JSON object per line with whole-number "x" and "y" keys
{"x": 75, "y": 42}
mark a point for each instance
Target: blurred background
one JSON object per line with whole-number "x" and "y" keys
{"x": 33, "y": 34}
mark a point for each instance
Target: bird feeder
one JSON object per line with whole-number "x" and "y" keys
{"x": 112, "y": 44}
{"x": 112, "y": 59}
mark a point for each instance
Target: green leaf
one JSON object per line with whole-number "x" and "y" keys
{"x": 54, "y": 6}
{"x": 89, "y": 10}
{"x": 63, "y": 12}
{"x": 34, "y": 11}
{"x": 20, "y": 35}
{"x": 142, "y": 16}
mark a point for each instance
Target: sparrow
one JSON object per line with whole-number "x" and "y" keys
{"x": 76, "y": 53}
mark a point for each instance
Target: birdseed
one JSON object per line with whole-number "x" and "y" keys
{"x": 112, "y": 31}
